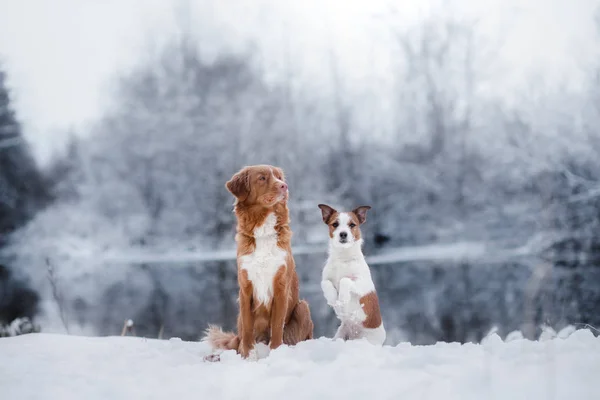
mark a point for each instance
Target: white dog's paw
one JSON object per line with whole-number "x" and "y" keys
{"x": 331, "y": 300}
{"x": 329, "y": 292}
{"x": 344, "y": 298}
{"x": 346, "y": 287}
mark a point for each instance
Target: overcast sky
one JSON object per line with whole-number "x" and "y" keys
{"x": 61, "y": 54}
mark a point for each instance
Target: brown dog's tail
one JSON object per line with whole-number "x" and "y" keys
{"x": 218, "y": 339}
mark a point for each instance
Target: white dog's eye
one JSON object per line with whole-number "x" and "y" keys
{"x": 352, "y": 225}
{"x": 335, "y": 224}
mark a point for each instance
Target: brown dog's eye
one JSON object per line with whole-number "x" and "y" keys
{"x": 335, "y": 224}
{"x": 352, "y": 225}
{"x": 262, "y": 178}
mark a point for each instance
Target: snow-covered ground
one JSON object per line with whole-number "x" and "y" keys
{"x": 47, "y": 366}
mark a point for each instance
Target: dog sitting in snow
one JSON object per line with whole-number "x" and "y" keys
{"x": 270, "y": 310}
{"x": 346, "y": 280}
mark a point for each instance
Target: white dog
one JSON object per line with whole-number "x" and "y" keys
{"x": 346, "y": 280}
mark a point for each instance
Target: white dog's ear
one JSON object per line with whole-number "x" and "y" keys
{"x": 327, "y": 212}
{"x": 239, "y": 185}
{"x": 361, "y": 213}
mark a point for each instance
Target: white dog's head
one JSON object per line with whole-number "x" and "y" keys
{"x": 344, "y": 227}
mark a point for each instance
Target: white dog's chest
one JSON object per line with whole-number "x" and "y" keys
{"x": 265, "y": 261}
{"x": 351, "y": 312}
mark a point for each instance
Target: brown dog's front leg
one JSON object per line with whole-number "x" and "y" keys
{"x": 246, "y": 320}
{"x": 279, "y": 307}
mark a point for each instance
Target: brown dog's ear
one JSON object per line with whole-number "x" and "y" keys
{"x": 239, "y": 185}
{"x": 327, "y": 212}
{"x": 361, "y": 213}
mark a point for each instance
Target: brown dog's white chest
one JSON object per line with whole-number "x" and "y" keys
{"x": 264, "y": 262}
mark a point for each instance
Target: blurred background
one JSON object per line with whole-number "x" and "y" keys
{"x": 471, "y": 129}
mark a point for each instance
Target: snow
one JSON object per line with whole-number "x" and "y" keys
{"x": 58, "y": 366}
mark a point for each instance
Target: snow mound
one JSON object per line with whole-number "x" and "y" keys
{"x": 46, "y": 366}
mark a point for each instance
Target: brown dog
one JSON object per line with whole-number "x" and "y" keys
{"x": 270, "y": 310}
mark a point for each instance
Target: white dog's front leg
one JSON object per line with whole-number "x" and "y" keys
{"x": 346, "y": 288}
{"x": 329, "y": 291}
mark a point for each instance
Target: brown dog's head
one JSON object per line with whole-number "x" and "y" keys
{"x": 259, "y": 185}
{"x": 344, "y": 227}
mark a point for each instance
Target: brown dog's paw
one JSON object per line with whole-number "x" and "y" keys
{"x": 245, "y": 349}
{"x": 275, "y": 343}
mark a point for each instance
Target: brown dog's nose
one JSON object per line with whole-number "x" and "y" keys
{"x": 284, "y": 186}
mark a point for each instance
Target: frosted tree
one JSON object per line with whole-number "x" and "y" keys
{"x": 23, "y": 192}
{"x": 22, "y": 187}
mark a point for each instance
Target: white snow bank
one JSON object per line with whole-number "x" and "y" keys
{"x": 45, "y": 366}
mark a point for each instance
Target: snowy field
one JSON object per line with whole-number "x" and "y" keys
{"x": 46, "y": 366}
